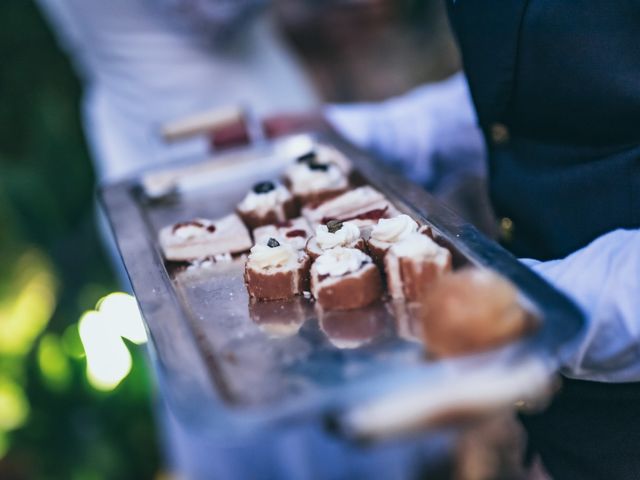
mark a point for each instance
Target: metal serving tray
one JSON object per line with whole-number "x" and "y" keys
{"x": 226, "y": 364}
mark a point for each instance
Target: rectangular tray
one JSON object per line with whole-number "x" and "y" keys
{"x": 223, "y": 363}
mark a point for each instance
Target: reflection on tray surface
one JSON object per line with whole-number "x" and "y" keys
{"x": 280, "y": 318}
{"x": 315, "y": 233}
{"x": 407, "y": 320}
{"x": 354, "y": 329}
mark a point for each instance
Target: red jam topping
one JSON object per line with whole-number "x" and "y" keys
{"x": 296, "y": 233}
{"x": 190, "y": 223}
{"x": 285, "y": 224}
{"x": 375, "y": 214}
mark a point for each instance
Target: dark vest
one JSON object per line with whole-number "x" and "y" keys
{"x": 556, "y": 84}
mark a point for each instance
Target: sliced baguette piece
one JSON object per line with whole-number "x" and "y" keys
{"x": 275, "y": 271}
{"x": 201, "y": 238}
{"x": 413, "y": 265}
{"x": 295, "y": 231}
{"x": 364, "y": 206}
{"x": 345, "y": 279}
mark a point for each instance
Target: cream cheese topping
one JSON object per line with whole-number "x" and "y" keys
{"x": 298, "y": 243}
{"x": 282, "y": 235}
{"x": 348, "y": 233}
{"x": 392, "y": 230}
{"x": 340, "y": 261}
{"x": 417, "y": 245}
{"x": 354, "y": 201}
{"x": 328, "y": 154}
{"x": 362, "y": 197}
{"x": 304, "y": 179}
{"x": 263, "y": 202}
{"x": 263, "y": 256}
{"x": 295, "y": 231}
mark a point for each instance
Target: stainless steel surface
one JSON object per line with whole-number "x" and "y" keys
{"x": 228, "y": 364}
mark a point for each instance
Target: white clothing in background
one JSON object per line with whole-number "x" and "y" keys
{"x": 426, "y": 133}
{"x": 144, "y": 62}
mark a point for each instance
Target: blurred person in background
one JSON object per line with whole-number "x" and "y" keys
{"x": 146, "y": 62}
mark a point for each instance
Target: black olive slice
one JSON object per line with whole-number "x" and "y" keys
{"x": 307, "y": 157}
{"x": 273, "y": 243}
{"x": 322, "y": 167}
{"x": 334, "y": 225}
{"x": 264, "y": 187}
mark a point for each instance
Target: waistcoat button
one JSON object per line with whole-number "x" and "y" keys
{"x": 499, "y": 133}
{"x": 506, "y": 229}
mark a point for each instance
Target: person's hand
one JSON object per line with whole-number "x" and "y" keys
{"x": 604, "y": 280}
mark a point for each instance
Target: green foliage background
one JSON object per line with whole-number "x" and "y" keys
{"x": 56, "y": 426}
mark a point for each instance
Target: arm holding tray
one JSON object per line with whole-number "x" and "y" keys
{"x": 425, "y": 133}
{"x": 604, "y": 281}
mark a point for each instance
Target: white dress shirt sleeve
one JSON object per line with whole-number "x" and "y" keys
{"x": 425, "y": 133}
{"x": 604, "y": 280}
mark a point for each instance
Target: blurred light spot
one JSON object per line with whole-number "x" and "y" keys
{"x": 121, "y": 311}
{"x": 101, "y": 332}
{"x": 108, "y": 359}
{"x": 28, "y": 304}
{"x": 14, "y": 408}
{"x": 71, "y": 342}
{"x": 53, "y": 362}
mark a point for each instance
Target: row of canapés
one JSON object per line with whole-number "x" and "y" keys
{"x": 316, "y": 233}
